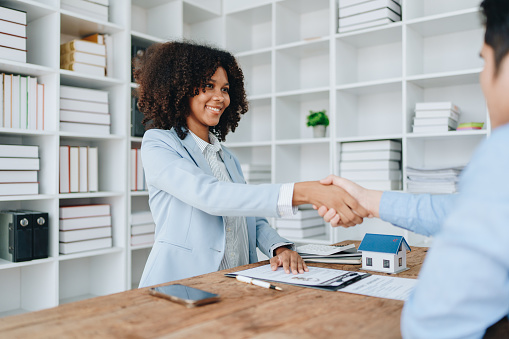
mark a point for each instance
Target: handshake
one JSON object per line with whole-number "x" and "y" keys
{"x": 339, "y": 201}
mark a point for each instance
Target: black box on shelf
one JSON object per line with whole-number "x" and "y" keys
{"x": 16, "y": 236}
{"x": 40, "y": 233}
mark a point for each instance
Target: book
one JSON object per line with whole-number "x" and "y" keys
{"x": 443, "y": 105}
{"x": 378, "y": 145}
{"x": 82, "y": 128}
{"x": 19, "y": 188}
{"x": 7, "y": 99}
{"x": 108, "y": 41}
{"x": 19, "y": 151}
{"x": 86, "y": 222}
{"x": 133, "y": 169}
{"x": 83, "y": 169}
{"x": 83, "y": 94}
{"x": 89, "y": 8}
{"x": 470, "y": 126}
{"x": 384, "y": 13}
{"x": 84, "y": 234}
{"x": 83, "y": 46}
{"x": 13, "y": 54}
{"x": 141, "y": 218}
{"x": 12, "y": 28}
{"x": 85, "y": 117}
{"x": 381, "y": 185}
{"x": 86, "y": 245}
{"x": 438, "y": 113}
{"x": 347, "y": 261}
{"x": 64, "y": 169}
{"x": 84, "y": 106}
{"x": 369, "y": 6}
{"x": 369, "y": 165}
{"x": 371, "y": 155}
{"x": 31, "y": 103}
{"x": 40, "y": 106}
{"x": 74, "y": 167}
{"x": 137, "y": 127}
{"x": 372, "y": 175}
{"x": 143, "y": 229}
{"x": 139, "y": 172}
{"x": 432, "y": 129}
{"x": 15, "y": 101}
{"x": 93, "y": 169}
{"x": 435, "y": 121}
{"x": 83, "y": 211}
{"x": 298, "y": 223}
{"x": 324, "y": 250}
{"x": 84, "y": 68}
{"x": 18, "y": 176}
{"x": 365, "y": 25}
{"x": 13, "y": 15}
{"x": 301, "y": 232}
{"x": 142, "y": 239}
{"x": 15, "y": 42}
{"x": 346, "y": 3}
{"x": 82, "y": 57}
{"x": 19, "y": 164}
{"x": 23, "y": 105}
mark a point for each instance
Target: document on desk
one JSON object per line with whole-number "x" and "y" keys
{"x": 317, "y": 277}
{"x": 382, "y": 286}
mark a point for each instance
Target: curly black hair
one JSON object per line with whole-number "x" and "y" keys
{"x": 496, "y": 20}
{"x": 170, "y": 73}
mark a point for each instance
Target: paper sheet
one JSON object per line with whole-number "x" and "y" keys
{"x": 383, "y": 287}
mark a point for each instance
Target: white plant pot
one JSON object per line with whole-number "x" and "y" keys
{"x": 319, "y": 131}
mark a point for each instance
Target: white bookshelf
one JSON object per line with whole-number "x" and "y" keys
{"x": 294, "y": 61}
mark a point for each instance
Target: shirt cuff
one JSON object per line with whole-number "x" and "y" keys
{"x": 284, "y": 201}
{"x": 274, "y": 247}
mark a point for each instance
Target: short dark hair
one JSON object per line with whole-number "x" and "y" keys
{"x": 170, "y": 73}
{"x": 496, "y": 20}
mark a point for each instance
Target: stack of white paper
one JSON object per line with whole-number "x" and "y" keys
{"x": 84, "y": 228}
{"x": 94, "y": 8}
{"x": 372, "y": 164}
{"x": 256, "y": 173}
{"x": 305, "y": 223}
{"x": 19, "y": 166}
{"x": 435, "y": 117}
{"x": 433, "y": 180}
{"x": 361, "y": 14}
{"x": 142, "y": 228}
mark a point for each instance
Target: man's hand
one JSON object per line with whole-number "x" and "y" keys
{"x": 368, "y": 199}
{"x": 332, "y": 197}
{"x": 289, "y": 260}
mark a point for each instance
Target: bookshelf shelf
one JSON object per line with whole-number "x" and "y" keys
{"x": 294, "y": 61}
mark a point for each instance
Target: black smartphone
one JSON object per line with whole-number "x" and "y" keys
{"x": 182, "y": 294}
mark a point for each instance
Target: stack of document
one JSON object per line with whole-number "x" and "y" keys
{"x": 256, "y": 173}
{"x": 347, "y": 254}
{"x": 83, "y": 56}
{"x": 355, "y": 14}
{"x": 142, "y": 228}
{"x": 435, "y": 117}
{"x": 372, "y": 164}
{"x": 94, "y": 8}
{"x": 13, "y": 34}
{"x": 305, "y": 223}
{"x": 19, "y": 167}
{"x": 433, "y": 180}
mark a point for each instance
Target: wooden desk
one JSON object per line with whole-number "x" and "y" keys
{"x": 245, "y": 311}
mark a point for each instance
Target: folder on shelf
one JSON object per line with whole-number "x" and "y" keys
{"x": 40, "y": 239}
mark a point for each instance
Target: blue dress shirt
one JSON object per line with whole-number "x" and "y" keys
{"x": 463, "y": 286}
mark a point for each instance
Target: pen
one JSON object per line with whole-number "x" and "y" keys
{"x": 260, "y": 283}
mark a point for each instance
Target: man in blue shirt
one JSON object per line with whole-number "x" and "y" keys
{"x": 463, "y": 286}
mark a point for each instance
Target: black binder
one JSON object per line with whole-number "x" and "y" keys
{"x": 16, "y": 236}
{"x": 40, "y": 233}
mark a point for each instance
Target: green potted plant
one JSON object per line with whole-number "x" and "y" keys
{"x": 319, "y": 121}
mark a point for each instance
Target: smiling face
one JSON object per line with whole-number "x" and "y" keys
{"x": 208, "y": 106}
{"x": 495, "y": 86}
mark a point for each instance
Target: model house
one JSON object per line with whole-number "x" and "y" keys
{"x": 384, "y": 253}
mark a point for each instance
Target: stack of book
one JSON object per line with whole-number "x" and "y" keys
{"x": 19, "y": 165}
{"x": 94, "y": 8}
{"x": 346, "y": 254}
{"x": 83, "y": 56}
{"x": 84, "y": 228}
{"x": 305, "y": 223}
{"x": 79, "y": 169}
{"x": 470, "y": 126}
{"x": 21, "y": 102}
{"x": 256, "y": 173}
{"x": 435, "y": 117}
{"x": 13, "y": 34}
{"x": 433, "y": 180}
{"x": 137, "y": 173}
{"x": 361, "y": 14}
{"x": 84, "y": 110}
{"x": 372, "y": 164}
{"x": 142, "y": 228}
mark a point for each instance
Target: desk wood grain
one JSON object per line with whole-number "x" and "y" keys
{"x": 245, "y": 311}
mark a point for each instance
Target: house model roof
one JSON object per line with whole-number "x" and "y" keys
{"x": 383, "y": 243}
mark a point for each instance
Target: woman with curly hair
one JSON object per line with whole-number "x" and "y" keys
{"x": 206, "y": 217}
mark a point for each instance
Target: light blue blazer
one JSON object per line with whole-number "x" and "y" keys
{"x": 188, "y": 202}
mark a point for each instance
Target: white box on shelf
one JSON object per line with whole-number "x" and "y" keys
{"x": 85, "y": 222}
{"x": 86, "y": 245}
{"x": 83, "y": 94}
{"x": 441, "y": 105}
{"x": 13, "y": 28}
{"x": 369, "y": 6}
{"x": 378, "y": 145}
{"x": 82, "y": 211}
{"x": 384, "y": 13}
{"x": 369, "y": 165}
{"x": 141, "y": 218}
{"x": 85, "y": 234}
{"x": 142, "y": 239}
{"x": 83, "y": 128}
{"x": 143, "y": 229}
{"x": 19, "y": 188}
{"x": 371, "y": 155}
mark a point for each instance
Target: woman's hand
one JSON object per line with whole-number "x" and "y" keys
{"x": 289, "y": 260}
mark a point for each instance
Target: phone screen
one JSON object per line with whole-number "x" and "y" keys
{"x": 185, "y": 292}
